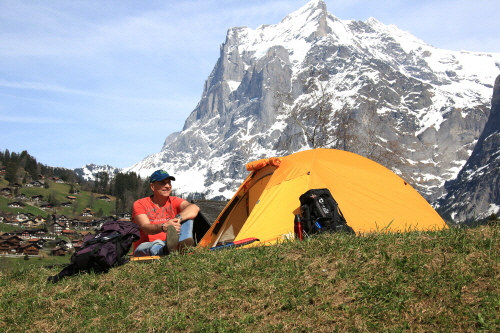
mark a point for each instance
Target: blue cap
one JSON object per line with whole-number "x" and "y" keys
{"x": 160, "y": 175}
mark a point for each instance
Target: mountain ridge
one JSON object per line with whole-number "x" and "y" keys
{"x": 434, "y": 102}
{"x": 476, "y": 190}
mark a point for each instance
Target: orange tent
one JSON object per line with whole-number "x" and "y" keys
{"x": 370, "y": 196}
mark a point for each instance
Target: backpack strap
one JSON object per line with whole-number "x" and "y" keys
{"x": 67, "y": 271}
{"x": 116, "y": 239}
{"x": 306, "y": 219}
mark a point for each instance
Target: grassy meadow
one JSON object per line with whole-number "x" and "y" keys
{"x": 444, "y": 281}
{"x": 60, "y": 192}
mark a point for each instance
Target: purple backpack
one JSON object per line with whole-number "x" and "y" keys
{"x": 106, "y": 249}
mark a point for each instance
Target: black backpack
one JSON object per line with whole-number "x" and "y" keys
{"x": 321, "y": 213}
{"x": 106, "y": 249}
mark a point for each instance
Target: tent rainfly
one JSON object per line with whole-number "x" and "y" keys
{"x": 371, "y": 197}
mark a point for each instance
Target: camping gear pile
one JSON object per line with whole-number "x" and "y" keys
{"x": 102, "y": 251}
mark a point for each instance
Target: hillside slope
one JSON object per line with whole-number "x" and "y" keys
{"x": 445, "y": 281}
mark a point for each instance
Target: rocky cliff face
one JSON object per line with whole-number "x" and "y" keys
{"x": 434, "y": 103}
{"x": 475, "y": 193}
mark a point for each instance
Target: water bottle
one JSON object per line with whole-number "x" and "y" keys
{"x": 297, "y": 227}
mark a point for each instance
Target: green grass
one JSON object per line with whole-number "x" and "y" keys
{"x": 27, "y": 209}
{"x": 4, "y": 227}
{"x": 18, "y": 263}
{"x": 446, "y": 281}
{"x": 61, "y": 191}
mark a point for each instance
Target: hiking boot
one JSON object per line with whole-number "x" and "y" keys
{"x": 185, "y": 244}
{"x": 172, "y": 240}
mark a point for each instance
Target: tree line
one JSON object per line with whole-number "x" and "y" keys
{"x": 126, "y": 187}
{"x": 24, "y": 166}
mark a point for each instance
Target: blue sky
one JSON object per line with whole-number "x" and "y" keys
{"x": 105, "y": 82}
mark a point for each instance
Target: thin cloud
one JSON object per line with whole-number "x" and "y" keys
{"x": 34, "y": 120}
{"x": 63, "y": 90}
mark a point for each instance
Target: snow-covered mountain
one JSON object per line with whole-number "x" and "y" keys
{"x": 475, "y": 193}
{"x": 89, "y": 171}
{"x": 433, "y": 103}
